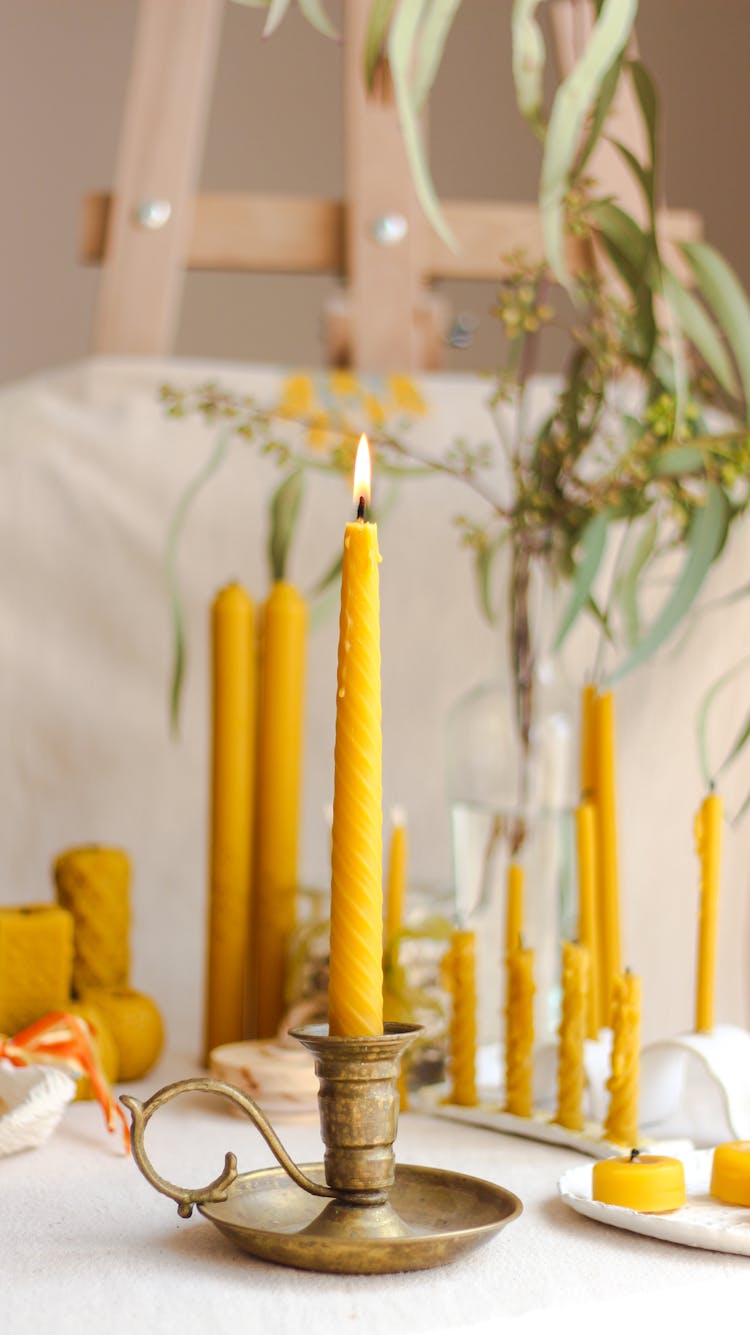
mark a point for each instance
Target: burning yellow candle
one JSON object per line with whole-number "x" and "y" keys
{"x": 232, "y": 781}
{"x": 398, "y": 862}
{"x": 570, "y": 1069}
{"x": 708, "y": 847}
{"x": 588, "y": 743}
{"x": 461, "y": 969}
{"x": 519, "y": 1033}
{"x": 355, "y": 994}
{"x": 513, "y": 908}
{"x": 280, "y": 730}
{"x": 621, "y": 1124}
{"x": 606, "y": 812}
{"x": 587, "y": 906}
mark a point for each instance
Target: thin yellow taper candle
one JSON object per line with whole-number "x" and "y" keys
{"x": 513, "y": 908}
{"x": 588, "y": 743}
{"x": 588, "y": 934}
{"x": 461, "y": 971}
{"x": 621, "y": 1122}
{"x": 606, "y": 831}
{"x": 519, "y": 1033}
{"x": 280, "y": 731}
{"x": 230, "y": 843}
{"x": 398, "y": 862}
{"x": 708, "y": 847}
{"x": 570, "y": 1068}
{"x": 355, "y": 993}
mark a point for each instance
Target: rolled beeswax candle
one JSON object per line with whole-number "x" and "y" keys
{"x": 621, "y": 1123}
{"x": 355, "y": 993}
{"x": 463, "y": 1030}
{"x": 588, "y": 933}
{"x": 397, "y": 867}
{"x": 570, "y": 1069}
{"x": 708, "y": 846}
{"x": 93, "y": 883}
{"x": 606, "y": 832}
{"x": 36, "y": 963}
{"x": 519, "y": 1033}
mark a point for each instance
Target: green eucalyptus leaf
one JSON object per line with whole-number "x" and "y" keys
{"x": 276, "y": 12}
{"x": 704, "y": 711}
{"x": 742, "y": 811}
{"x": 677, "y": 460}
{"x": 174, "y": 533}
{"x": 402, "y": 36}
{"x": 375, "y": 37}
{"x": 629, "y": 245}
{"x": 433, "y": 35}
{"x": 701, "y": 331}
{"x": 574, "y": 99}
{"x": 738, "y": 745}
{"x": 318, "y": 18}
{"x": 628, "y": 584}
{"x": 645, "y": 91}
{"x": 643, "y": 175}
{"x": 253, "y": 4}
{"x": 593, "y": 542}
{"x": 727, "y": 298}
{"x": 704, "y": 541}
{"x": 485, "y": 559}
{"x": 528, "y": 62}
{"x": 602, "y": 108}
{"x": 284, "y": 512}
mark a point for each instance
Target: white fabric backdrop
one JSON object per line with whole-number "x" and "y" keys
{"x": 90, "y": 471}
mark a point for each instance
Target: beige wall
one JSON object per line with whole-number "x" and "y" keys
{"x": 276, "y": 125}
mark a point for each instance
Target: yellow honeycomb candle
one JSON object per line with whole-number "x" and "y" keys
{"x": 93, "y": 883}
{"x": 36, "y": 963}
{"x": 398, "y": 860}
{"x": 708, "y": 846}
{"x": 519, "y": 1033}
{"x": 649, "y": 1183}
{"x": 621, "y": 1123}
{"x": 588, "y": 934}
{"x": 232, "y": 768}
{"x": 355, "y": 995}
{"x": 280, "y": 729}
{"x": 606, "y": 832}
{"x": 570, "y": 1069}
{"x": 461, "y": 970}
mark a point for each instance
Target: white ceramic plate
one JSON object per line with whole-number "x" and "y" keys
{"x": 701, "y": 1222}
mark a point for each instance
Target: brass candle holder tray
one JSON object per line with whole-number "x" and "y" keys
{"x": 377, "y": 1217}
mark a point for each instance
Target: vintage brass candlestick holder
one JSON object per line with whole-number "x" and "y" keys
{"x": 378, "y": 1217}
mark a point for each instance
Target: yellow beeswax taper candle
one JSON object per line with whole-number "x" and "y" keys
{"x": 398, "y": 861}
{"x": 588, "y": 743}
{"x": 355, "y": 991}
{"x": 280, "y": 730}
{"x": 588, "y": 934}
{"x": 570, "y": 1069}
{"x": 708, "y": 846}
{"x": 230, "y": 844}
{"x": 513, "y": 908}
{"x": 461, "y": 970}
{"x": 606, "y": 814}
{"x": 621, "y": 1123}
{"x": 519, "y": 1033}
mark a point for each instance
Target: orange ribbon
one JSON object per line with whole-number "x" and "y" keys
{"x": 64, "y": 1040}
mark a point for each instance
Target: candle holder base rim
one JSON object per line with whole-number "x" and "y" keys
{"x": 433, "y": 1216}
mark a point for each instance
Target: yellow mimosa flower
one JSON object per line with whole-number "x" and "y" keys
{"x": 344, "y": 385}
{"x": 297, "y": 396}
{"x": 374, "y": 408}
{"x": 405, "y": 395}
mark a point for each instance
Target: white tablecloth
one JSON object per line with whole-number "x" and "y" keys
{"x": 88, "y": 1247}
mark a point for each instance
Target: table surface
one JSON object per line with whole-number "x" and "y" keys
{"x": 87, "y": 1245}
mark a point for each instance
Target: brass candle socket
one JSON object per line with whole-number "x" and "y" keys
{"x": 378, "y": 1218}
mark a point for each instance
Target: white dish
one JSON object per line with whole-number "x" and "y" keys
{"x": 32, "y": 1101}
{"x": 701, "y": 1222}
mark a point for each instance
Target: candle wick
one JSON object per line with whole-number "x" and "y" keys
{"x": 361, "y": 508}
{"x": 634, "y": 1155}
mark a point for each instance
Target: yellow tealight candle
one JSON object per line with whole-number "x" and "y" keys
{"x": 708, "y": 846}
{"x": 570, "y": 1069}
{"x": 280, "y": 730}
{"x": 519, "y": 1033}
{"x": 397, "y": 871}
{"x": 606, "y": 820}
{"x": 621, "y": 1123}
{"x": 355, "y": 993}
{"x": 461, "y": 970}
{"x": 588, "y": 933}
{"x": 232, "y": 784}
{"x": 730, "y": 1173}
{"x": 648, "y": 1183}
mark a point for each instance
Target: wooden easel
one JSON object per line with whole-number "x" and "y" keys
{"x": 152, "y": 227}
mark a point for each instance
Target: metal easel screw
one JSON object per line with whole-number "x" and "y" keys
{"x": 153, "y": 214}
{"x": 389, "y": 229}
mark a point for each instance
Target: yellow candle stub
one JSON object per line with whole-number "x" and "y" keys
{"x": 649, "y": 1183}
{"x": 730, "y": 1174}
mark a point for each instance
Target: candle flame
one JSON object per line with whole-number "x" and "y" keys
{"x": 362, "y": 472}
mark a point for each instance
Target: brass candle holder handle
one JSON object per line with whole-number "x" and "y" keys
{"x": 188, "y": 1197}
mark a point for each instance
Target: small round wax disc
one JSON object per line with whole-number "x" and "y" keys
{"x": 730, "y": 1173}
{"x": 649, "y": 1183}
